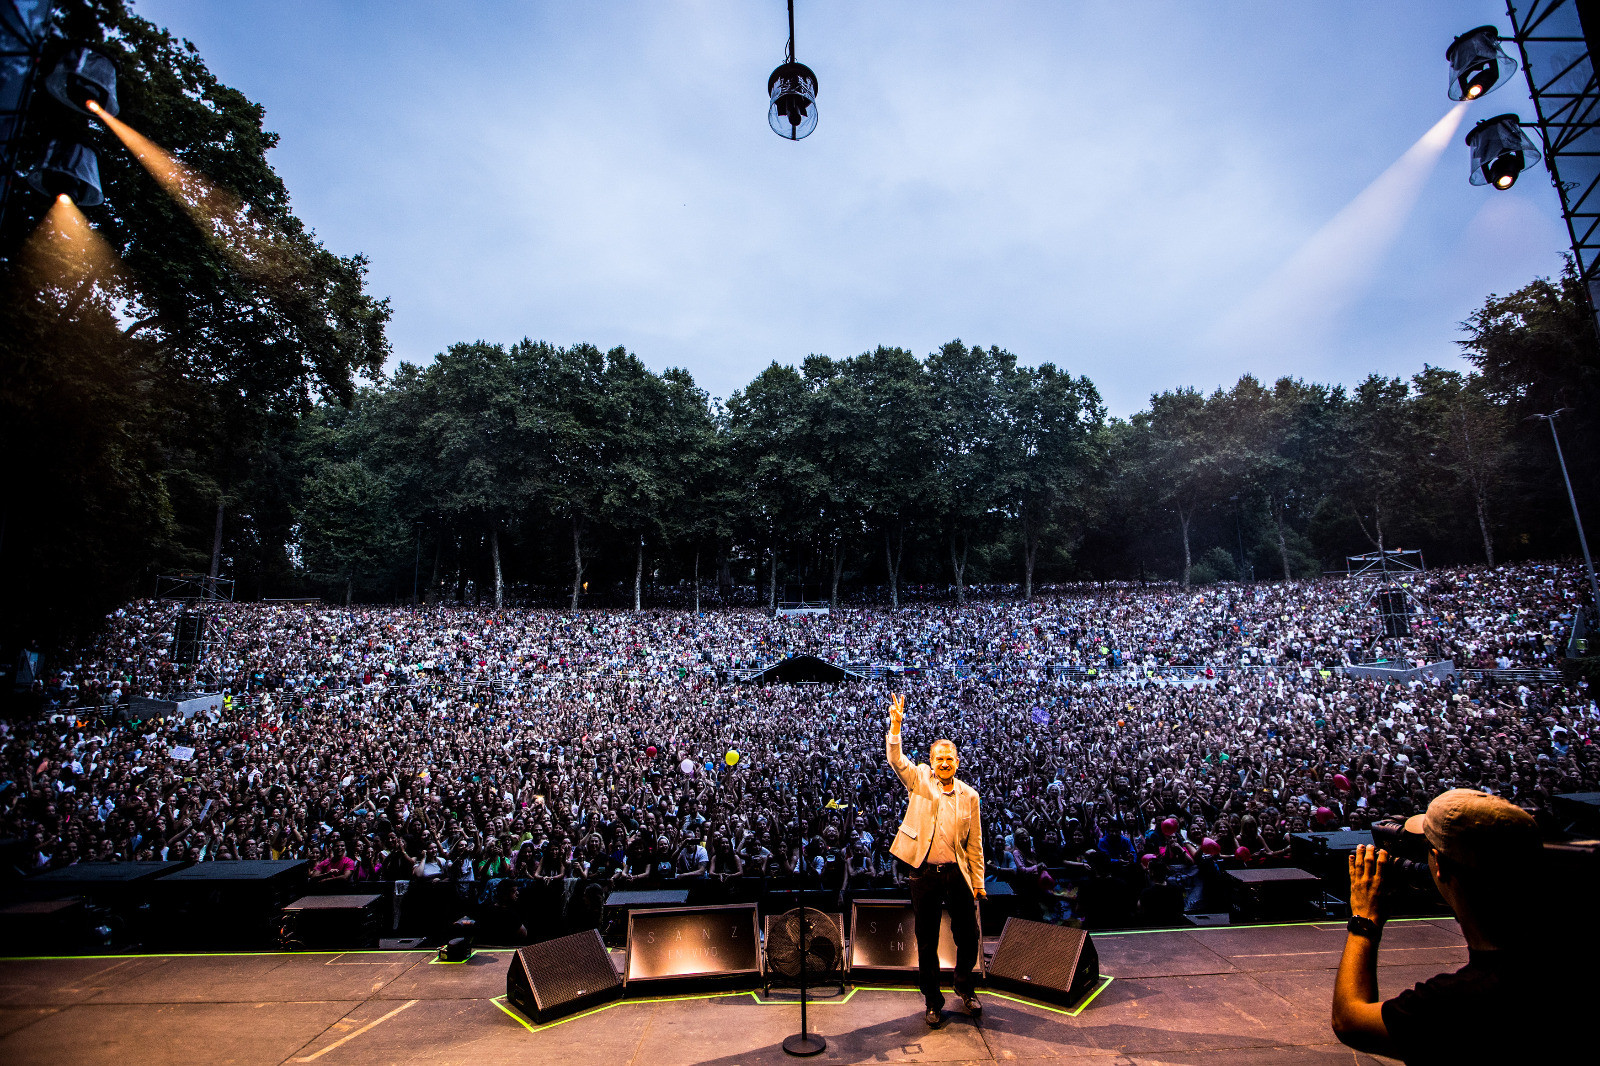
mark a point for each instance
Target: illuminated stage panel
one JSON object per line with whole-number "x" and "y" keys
{"x": 680, "y": 943}
{"x": 883, "y": 937}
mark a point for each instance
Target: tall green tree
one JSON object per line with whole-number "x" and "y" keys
{"x": 1053, "y": 450}
{"x": 1381, "y": 445}
{"x": 1470, "y": 437}
{"x": 1183, "y": 460}
{"x": 779, "y": 480}
{"x": 656, "y": 430}
{"x": 566, "y": 387}
{"x": 897, "y": 441}
{"x": 967, "y": 391}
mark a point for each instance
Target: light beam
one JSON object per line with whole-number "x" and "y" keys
{"x": 65, "y": 259}
{"x": 218, "y": 213}
{"x": 1298, "y": 306}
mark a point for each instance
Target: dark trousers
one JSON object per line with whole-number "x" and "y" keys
{"x": 935, "y": 888}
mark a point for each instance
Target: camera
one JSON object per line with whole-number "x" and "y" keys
{"x": 1408, "y": 852}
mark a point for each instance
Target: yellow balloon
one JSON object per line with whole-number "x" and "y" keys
{"x": 732, "y": 758}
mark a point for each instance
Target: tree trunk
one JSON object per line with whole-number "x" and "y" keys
{"x": 638, "y": 571}
{"x": 772, "y": 580}
{"x": 697, "y": 582}
{"x": 348, "y": 581}
{"x": 833, "y": 591}
{"x": 461, "y": 570}
{"x": 1375, "y": 534}
{"x": 577, "y": 560}
{"x": 499, "y": 579}
{"x": 1183, "y": 525}
{"x": 1030, "y": 555}
{"x": 477, "y": 575}
{"x": 958, "y": 566}
{"x": 416, "y": 569}
{"x": 893, "y": 554}
{"x": 433, "y": 582}
{"x": 216, "y": 552}
{"x": 1283, "y": 544}
{"x": 1483, "y": 526}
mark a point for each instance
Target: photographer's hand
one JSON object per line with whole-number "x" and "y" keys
{"x": 1368, "y": 867}
{"x": 1357, "y": 1014}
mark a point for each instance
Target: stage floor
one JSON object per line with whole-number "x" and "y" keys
{"x": 1220, "y": 995}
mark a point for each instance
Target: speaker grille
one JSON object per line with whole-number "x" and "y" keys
{"x": 561, "y": 976}
{"x": 1051, "y": 962}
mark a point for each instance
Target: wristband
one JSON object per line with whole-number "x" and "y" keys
{"x": 1361, "y": 926}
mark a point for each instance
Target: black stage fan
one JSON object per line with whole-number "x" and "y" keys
{"x": 803, "y": 943}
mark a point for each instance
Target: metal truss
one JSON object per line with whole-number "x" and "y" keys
{"x": 24, "y": 24}
{"x": 1566, "y": 98}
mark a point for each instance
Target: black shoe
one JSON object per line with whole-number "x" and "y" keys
{"x": 972, "y": 1003}
{"x": 934, "y": 1018}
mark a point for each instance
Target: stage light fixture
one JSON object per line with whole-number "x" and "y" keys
{"x": 84, "y": 76}
{"x": 69, "y": 169}
{"x": 1500, "y": 151}
{"x": 1478, "y": 65}
{"x": 792, "y": 92}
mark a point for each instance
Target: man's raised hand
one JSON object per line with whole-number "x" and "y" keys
{"x": 897, "y": 712}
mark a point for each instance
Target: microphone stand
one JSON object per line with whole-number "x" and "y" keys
{"x": 803, "y": 1043}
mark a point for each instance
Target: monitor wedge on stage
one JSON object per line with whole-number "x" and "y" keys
{"x": 562, "y": 976}
{"x": 679, "y": 948}
{"x": 1054, "y": 963}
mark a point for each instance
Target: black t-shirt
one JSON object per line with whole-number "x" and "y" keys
{"x": 1502, "y": 1006}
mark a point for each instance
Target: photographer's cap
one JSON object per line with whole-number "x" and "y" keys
{"x": 1468, "y": 826}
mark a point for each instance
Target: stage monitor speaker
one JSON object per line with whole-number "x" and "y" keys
{"x": 562, "y": 976}
{"x": 883, "y": 941}
{"x": 346, "y": 921}
{"x": 693, "y": 947}
{"x": 1054, "y": 963}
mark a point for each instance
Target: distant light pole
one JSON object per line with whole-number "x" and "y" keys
{"x": 1583, "y": 542}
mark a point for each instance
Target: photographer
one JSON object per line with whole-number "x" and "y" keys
{"x": 1505, "y": 1004}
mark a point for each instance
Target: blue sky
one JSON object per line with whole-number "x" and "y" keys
{"x": 1152, "y": 193}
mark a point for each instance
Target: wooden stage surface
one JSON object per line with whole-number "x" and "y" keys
{"x": 1251, "y": 994}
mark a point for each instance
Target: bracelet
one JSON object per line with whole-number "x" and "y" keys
{"x": 1362, "y": 926}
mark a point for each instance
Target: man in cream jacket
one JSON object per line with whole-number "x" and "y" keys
{"x": 941, "y": 839}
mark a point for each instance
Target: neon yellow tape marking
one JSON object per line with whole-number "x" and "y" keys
{"x": 830, "y": 1001}
{"x": 1328, "y": 923}
{"x": 1104, "y": 982}
{"x": 208, "y": 954}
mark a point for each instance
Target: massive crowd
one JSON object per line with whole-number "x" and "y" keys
{"x": 511, "y": 750}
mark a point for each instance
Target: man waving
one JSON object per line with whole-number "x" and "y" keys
{"x": 941, "y": 839}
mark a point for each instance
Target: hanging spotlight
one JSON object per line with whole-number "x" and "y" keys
{"x": 1500, "y": 151}
{"x": 83, "y": 76}
{"x": 792, "y": 90}
{"x": 69, "y": 169}
{"x": 1478, "y": 65}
